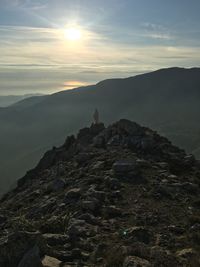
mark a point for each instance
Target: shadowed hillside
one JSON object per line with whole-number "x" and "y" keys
{"x": 6, "y": 101}
{"x": 167, "y": 100}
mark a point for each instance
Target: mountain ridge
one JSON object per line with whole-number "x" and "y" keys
{"x": 164, "y": 100}
{"x": 120, "y": 195}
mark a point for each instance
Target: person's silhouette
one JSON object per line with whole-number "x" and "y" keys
{"x": 96, "y": 117}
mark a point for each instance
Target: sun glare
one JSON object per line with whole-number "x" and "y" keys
{"x": 72, "y": 34}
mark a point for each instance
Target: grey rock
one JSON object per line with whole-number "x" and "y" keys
{"x": 55, "y": 239}
{"x": 91, "y": 205}
{"x": 57, "y": 185}
{"x": 72, "y": 195}
{"x": 50, "y": 262}
{"x": 133, "y": 261}
{"x": 124, "y": 166}
{"x": 139, "y": 233}
{"x": 89, "y": 218}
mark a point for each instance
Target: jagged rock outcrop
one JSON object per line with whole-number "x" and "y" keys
{"x": 115, "y": 196}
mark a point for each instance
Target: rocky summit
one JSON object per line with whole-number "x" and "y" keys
{"x": 120, "y": 196}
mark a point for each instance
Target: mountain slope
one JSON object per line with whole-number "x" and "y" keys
{"x": 115, "y": 196}
{"x": 167, "y": 100}
{"x": 6, "y": 101}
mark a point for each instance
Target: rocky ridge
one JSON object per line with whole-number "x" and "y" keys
{"x": 115, "y": 196}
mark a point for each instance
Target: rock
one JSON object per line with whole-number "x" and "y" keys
{"x": 55, "y": 239}
{"x": 63, "y": 256}
{"x": 138, "y": 233}
{"x": 176, "y": 229}
{"x": 128, "y": 170}
{"x": 133, "y": 261}
{"x": 50, "y": 262}
{"x": 123, "y": 167}
{"x": 76, "y": 253}
{"x": 72, "y": 195}
{"x": 189, "y": 159}
{"x": 191, "y": 187}
{"x": 76, "y": 228}
{"x": 99, "y": 195}
{"x": 31, "y": 258}
{"x": 83, "y": 157}
{"x": 195, "y": 227}
{"x": 138, "y": 249}
{"x": 57, "y": 185}
{"x": 3, "y": 219}
{"x": 52, "y": 225}
{"x": 188, "y": 253}
{"x": 114, "y": 141}
{"x": 127, "y": 127}
{"x": 99, "y": 142}
{"x": 60, "y": 171}
{"x": 112, "y": 211}
{"x": 97, "y": 128}
{"x": 147, "y": 143}
{"x": 91, "y": 205}
{"x": 161, "y": 191}
{"x": 99, "y": 165}
{"x": 163, "y": 257}
{"x": 79, "y": 228}
{"x": 88, "y": 218}
{"x": 42, "y": 208}
{"x": 112, "y": 183}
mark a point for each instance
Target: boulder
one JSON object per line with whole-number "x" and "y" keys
{"x": 133, "y": 261}
{"x": 50, "y": 262}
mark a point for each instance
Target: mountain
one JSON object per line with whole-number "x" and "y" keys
{"x": 8, "y": 100}
{"x": 167, "y": 100}
{"x": 116, "y": 196}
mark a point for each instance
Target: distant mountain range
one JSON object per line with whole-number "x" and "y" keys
{"x": 8, "y": 100}
{"x": 167, "y": 100}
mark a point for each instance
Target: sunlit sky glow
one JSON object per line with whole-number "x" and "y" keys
{"x": 48, "y": 45}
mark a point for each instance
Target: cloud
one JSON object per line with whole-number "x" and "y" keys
{"x": 152, "y": 26}
{"x": 156, "y": 31}
{"x": 26, "y": 4}
{"x": 161, "y": 36}
{"x": 41, "y": 58}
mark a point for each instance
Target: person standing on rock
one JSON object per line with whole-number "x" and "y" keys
{"x": 96, "y": 117}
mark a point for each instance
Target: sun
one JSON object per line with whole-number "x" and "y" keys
{"x": 72, "y": 34}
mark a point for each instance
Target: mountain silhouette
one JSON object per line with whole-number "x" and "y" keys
{"x": 7, "y": 100}
{"x": 167, "y": 100}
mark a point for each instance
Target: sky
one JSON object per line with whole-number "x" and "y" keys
{"x": 118, "y": 38}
